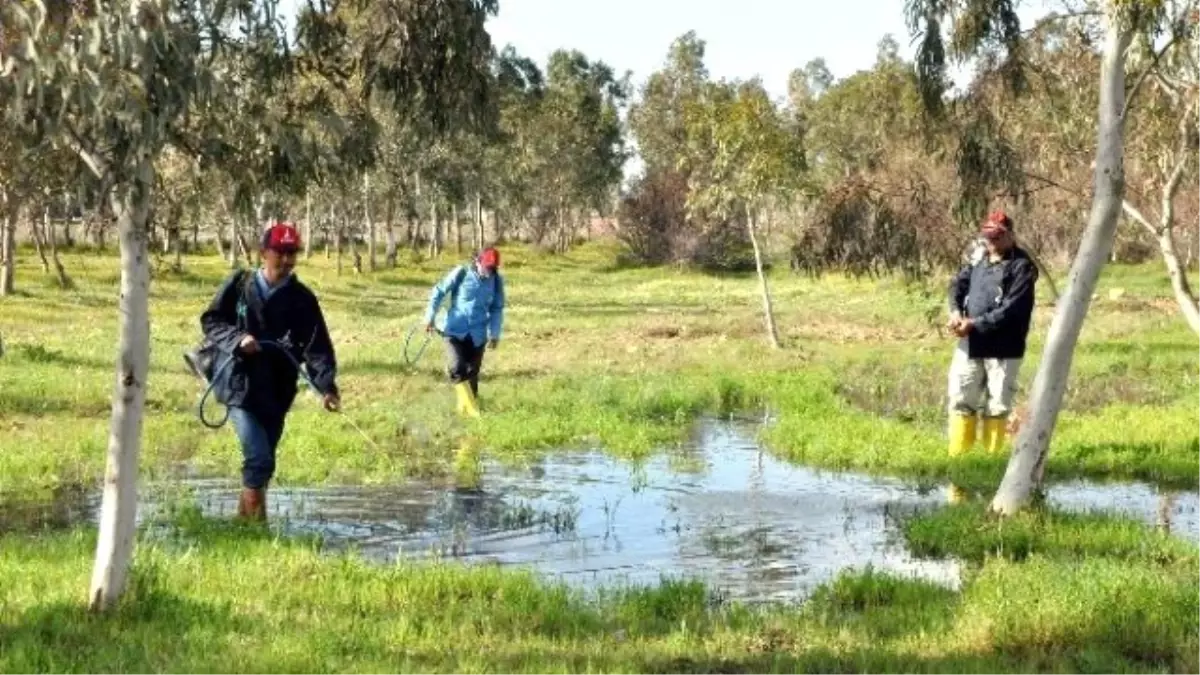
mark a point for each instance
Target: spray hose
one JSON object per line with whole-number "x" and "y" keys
{"x": 228, "y": 362}
{"x": 307, "y": 379}
{"x": 411, "y": 357}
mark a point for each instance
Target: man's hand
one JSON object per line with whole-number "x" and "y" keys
{"x": 964, "y": 327}
{"x": 429, "y": 327}
{"x": 493, "y": 343}
{"x": 249, "y": 345}
{"x": 331, "y": 402}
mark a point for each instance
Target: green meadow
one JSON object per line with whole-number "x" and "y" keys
{"x": 596, "y": 355}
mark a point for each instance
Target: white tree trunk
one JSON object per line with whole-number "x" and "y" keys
{"x": 389, "y": 215}
{"x": 307, "y": 225}
{"x": 8, "y": 247}
{"x": 118, "y": 511}
{"x": 768, "y": 310}
{"x": 1179, "y": 283}
{"x": 370, "y": 222}
{"x": 1025, "y": 466}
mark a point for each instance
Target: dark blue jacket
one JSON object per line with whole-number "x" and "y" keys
{"x": 265, "y": 383}
{"x": 998, "y": 296}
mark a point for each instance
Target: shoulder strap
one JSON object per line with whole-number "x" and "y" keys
{"x": 458, "y": 279}
{"x": 249, "y": 300}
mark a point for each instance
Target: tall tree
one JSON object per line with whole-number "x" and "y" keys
{"x": 978, "y": 26}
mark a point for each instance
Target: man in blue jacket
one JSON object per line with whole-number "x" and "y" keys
{"x": 474, "y": 319}
{"x": 991, "y": 309}
{"x": 259, "y": 387}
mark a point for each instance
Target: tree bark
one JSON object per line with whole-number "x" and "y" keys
{"x": 60, "y": 272}
{"x": 480, "y": 239}
{"x": 8, "y": 245}
{"x": 768, "y": 309}
{"x": 1164, "y": 232}
{"x": 307, "y": 225}
{"x": 370, "y": 222}
{"x": 1027, "y": 463}
{"x": 118, "y": 510}
{"x": 389, "y": 215}
{"x": 457, "y": 229}
{"x": 39, "y": 239}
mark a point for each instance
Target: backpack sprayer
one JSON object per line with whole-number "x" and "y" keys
{"x": 229, "y": 360}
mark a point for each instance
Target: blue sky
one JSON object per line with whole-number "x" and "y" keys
{"x": 744, "y": 38}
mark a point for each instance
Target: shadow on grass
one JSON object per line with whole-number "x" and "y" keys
{"x": 35, "y": 353}
{"x": 147, "y": 632}
{"x": 24, "y": 405}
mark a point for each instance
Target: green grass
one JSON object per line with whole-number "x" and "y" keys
{"x": 214, "y": 596}
{"x": 624, "y": 359}
{"x": 593, "y": 355}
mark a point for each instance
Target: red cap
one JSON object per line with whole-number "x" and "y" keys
{"x": 282, "y": 237}
{"x": 489, "y": 257}
{"x": 997, "y": 224}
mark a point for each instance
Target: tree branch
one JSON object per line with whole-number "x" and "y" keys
{"x": 1167, "y": 211}
{"x": 1137, "y": 85}
{"x": 97, "y": 166}
{"x": 1131, "y": 211}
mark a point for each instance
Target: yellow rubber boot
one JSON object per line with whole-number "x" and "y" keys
{"x": 466, "y": 400}
{"x": 962, "y": 434}
{"x": 955, "y": 494}
{"x": 994, "y": 433}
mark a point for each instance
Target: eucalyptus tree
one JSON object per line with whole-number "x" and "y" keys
{"x": 749, "y": 155}
{"x": 993, "y": 26}
{"x": 115, "y": 81}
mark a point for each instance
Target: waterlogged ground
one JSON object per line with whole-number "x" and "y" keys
{"x": 719, "y": 509}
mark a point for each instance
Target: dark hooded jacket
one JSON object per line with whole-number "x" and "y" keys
{"x": 999, "y": 297}
{"x": 265, "y": 383}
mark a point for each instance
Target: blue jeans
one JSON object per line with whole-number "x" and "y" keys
{"x": 259, "y": 438}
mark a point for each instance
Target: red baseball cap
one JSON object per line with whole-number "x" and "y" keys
{"x": 996, "y": 224}
{"x": 282, "y": 237}
{"x": 489, "y": 257}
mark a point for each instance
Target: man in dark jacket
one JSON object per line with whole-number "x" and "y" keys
{"x": 267, "y": 305}
{"x": 991, "y": 308}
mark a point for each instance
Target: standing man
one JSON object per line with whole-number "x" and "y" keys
{"x": 250, "y": 308}
{"x": 991, "y": 308}
{"x": 474, "y": 319}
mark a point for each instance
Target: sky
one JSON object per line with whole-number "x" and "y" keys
{"x": 744, "y": 38}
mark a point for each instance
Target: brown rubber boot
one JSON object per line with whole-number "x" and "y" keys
{"x": 252, "y": 505}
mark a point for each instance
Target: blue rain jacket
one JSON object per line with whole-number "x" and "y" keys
{"x": 476, "y": 304}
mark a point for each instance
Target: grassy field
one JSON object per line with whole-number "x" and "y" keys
{"x": 624, "y": 359}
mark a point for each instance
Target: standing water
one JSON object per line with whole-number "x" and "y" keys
{"x": 720, "y": 509}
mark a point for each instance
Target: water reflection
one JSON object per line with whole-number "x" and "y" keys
{"x": 750, "y": 526}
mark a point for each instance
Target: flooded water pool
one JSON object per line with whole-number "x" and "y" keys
{"x": 720, "y": 509}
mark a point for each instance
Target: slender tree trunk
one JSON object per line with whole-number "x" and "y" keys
{"x": 337, "y": 245}
{"x": 389, "y": 214}
{"x": 39, "y": 239}
{"x": 435, "y": 226}
{"x": 178, "y": 266}
{"x": 457, "y": 229}
{"x": 1179, "y": 283}
{"x": 1027, "y": 463}
{"x": 497, "y": 227}
{"x": 8, "y": 245}
{"x": 480, "y": 239}
{"x": 118, "y": 509}
{"x": 307, "y": 225}
{"x": 372, "y": 262}
{"x": 60, "y": 272}
{"x": 768, "y": 309}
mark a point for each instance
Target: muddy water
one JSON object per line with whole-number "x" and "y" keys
{"x": 752, "y": 527}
